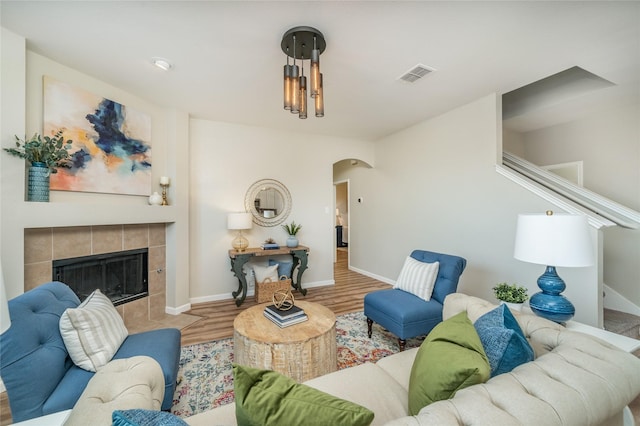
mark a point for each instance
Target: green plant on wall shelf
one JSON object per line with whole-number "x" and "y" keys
{"x": 291, "y": 228}
{"x": 52, "y": 151}
{"x": 510, "y": 293}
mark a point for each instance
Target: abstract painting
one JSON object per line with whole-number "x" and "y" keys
{"x": 111, "y": 151}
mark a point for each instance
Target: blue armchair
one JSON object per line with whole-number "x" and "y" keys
{"x": 36, "y": 368}
{"x": 406, "y": 315}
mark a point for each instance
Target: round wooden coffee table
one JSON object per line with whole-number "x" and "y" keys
{"x": 301, "y": 351}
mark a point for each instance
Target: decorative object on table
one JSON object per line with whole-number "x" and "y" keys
{"x": 164, "y": 183}
{"x": 111, "y": 141}
{"x": 239, "y": 222}
{"x": 45, "y": 155}
{"x": 268, "y": 287}
{"x": 285, "y": 322}
{"x": 553, "y": 240}
{"x": 512, "y": 295}
{"x": 283, "y": 299}
{"x": 155, "y": 199}
{"x": 303, "y": 43}
{"x": 270, "y": 244}
{"x": 285, "y": 314}
{"x": 292, "y": 229}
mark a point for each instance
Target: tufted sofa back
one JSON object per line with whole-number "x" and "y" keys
{"x": 449, "y": 271}
{"x": 33, "y": 357}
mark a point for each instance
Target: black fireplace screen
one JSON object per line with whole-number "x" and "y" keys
{"x": 121, "y": 276}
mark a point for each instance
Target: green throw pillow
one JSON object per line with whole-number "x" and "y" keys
{"x": 265, "y": 397}
{"x": 450, "y": 358}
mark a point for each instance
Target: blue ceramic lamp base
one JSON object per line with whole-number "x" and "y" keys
{"x": 549, "y": 303}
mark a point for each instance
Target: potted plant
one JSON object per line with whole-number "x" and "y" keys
{"x": 292, "y": 229}
{"x": 511, "y": 294}
{"x": 45, "y": 155}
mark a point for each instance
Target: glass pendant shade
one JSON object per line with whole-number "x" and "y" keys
{"x": 303, "y": 97}
{"x": 319, "y": 99}
{"x": 315, "y": 73}
{"x": 295, "y": 89}
{"x": 287, "y": 87}
{"x": 302, "y": 44}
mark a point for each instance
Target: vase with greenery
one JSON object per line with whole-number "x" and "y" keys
{"x": 511, "y": 294}
{"x": 45, "y": 155}
{"x": 292, "y": 229}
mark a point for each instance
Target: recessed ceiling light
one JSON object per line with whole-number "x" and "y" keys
{"x": 162, "y": 63}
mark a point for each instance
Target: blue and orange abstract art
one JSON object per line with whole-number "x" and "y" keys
{"x": 111, "y": 151}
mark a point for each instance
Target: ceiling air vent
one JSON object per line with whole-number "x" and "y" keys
{"x": 416, "y": 73}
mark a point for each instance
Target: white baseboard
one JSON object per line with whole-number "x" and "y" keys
{"x": 616, "y": 301}
{"x": 178, "y": 310}
{"x": 374, "y": 276}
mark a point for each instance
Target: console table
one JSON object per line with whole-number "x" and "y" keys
{"x": 239, "y": 258}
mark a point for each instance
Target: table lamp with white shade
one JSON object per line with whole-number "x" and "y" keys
{"x": 239, "y": 222}
{"x": 553, "y": 240}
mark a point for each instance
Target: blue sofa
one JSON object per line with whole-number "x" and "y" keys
{"x": 34, "y": 364}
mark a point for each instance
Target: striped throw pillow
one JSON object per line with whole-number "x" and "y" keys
{"x": 418, "y": 278}
{"x": 92, "y": 332}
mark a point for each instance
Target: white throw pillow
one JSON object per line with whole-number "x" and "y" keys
{"x": 264, "y": 272}
{"x": 418, "y": 277}
{"x": 92, "y": 332}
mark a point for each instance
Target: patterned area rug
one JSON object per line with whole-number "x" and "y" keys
{"x": 205, "y": 379}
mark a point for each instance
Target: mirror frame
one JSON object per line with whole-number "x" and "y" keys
{"x": 253, "y": 192}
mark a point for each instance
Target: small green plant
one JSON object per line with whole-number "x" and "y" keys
{"x": 292, "y": 228}
{"x": 52, "y": 151}
{"x": 510, "y": 293}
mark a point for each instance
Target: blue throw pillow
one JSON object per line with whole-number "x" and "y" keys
{"x": 284, "y": 268}
{"x": 140, "y": 417}
{"x": 503, "y": 340}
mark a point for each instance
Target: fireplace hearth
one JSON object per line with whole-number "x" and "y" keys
{"x": 122, "y": 276}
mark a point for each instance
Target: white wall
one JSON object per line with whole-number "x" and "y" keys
{"x": 608, "y": 141}
{"x": 22, "y": 73}
{"x": 435, "y": 187}
{"x": 226, "y": 159}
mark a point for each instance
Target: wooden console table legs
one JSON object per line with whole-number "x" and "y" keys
{"x": 239, "y": 259}
{"x": 237, "y": 263}
{"x": 299, "y": 256}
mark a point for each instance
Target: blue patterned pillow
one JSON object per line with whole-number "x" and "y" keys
{"x": 140, "y": 417}
{"x": 503, "y": 340}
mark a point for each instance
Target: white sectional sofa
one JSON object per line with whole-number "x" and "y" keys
{"x": 575, "y": 379}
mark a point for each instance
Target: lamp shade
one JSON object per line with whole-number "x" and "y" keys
{"x": 239, "y": 221}
{"x": 553, "y": 239}
{"x": 5, "y": 320}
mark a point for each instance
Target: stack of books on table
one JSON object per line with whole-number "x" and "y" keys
{"x": 282, "y": 319}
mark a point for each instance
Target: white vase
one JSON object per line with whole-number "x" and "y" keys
{"x": 155, "y": 199}
{"x": 292, "y": 241}
{"x": 514, "y": 306}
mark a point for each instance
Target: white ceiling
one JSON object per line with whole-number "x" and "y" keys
{"x": 228, "y": 63}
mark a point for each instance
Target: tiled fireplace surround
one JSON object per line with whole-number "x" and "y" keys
{"x": 43, "y": 245}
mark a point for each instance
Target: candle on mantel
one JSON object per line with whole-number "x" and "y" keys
{"x": 164, "y": 180}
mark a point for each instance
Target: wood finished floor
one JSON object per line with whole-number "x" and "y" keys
{"x": 217, "y": 317}
{"x": 345, "y": 296}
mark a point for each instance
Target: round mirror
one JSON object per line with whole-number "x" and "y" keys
{"x": 268, "y": 201}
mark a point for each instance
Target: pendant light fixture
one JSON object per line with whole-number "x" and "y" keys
{"x": 303, "y": 43}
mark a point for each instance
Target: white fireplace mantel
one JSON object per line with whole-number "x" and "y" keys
{"x": 56, "y": 214}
